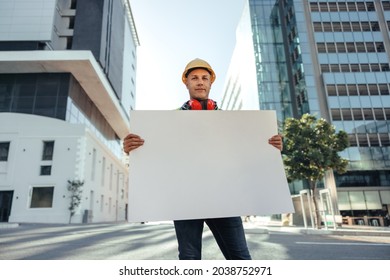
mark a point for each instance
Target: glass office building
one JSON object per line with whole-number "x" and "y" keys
{"x": 329, "y": 59}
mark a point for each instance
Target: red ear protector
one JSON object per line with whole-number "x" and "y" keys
{"x": 202, "y": 105}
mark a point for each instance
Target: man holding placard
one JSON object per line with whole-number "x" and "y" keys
{"x": 229, "y": 234}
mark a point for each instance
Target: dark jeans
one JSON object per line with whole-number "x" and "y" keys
{"x": 228, "y": 232}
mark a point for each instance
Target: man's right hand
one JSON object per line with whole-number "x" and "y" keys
{"x": 132, "y": 142}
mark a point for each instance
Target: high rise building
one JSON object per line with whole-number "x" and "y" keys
{"x": 67, "y": 85}
{"x": 330, "y": 59}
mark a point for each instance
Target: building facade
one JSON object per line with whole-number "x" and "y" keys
{"x": 330, "y": 59}
{"x": 67, "y": 85}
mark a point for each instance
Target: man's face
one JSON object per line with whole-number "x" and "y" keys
{"x": 199, "y": 84}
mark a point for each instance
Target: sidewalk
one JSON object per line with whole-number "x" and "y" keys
{"x": 259, "y": 225}
{"x": 276, "y": 226}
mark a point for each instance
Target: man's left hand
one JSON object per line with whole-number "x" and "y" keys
{"x": 276, "y": 141}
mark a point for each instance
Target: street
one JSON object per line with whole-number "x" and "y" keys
{"x": 157, "y": 242}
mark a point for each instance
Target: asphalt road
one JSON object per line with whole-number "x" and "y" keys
{"x": 158, "y": 242}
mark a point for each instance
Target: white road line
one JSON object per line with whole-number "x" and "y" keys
{"x": 343, "y": 243}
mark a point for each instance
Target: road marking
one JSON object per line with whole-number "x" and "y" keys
{"x": 343, "y": 243}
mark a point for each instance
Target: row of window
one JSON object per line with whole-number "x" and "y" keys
{"x": 357, "y": 89}
{"x": 369, "y": 140}
{"x": 364, "y": 67}
{"x": 358, "y": 114}
{"x": 42, "y": 197}
{"x": 38, "y": 94}
{"x": 47, "y": 155}
{"x": 350, "y": 47}
{"x": 343, "y": 6}
{"x": 363, "y": 178}
{"x": 346, "y": 26}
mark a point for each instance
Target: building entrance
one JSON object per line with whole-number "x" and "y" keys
{"x": 5, "y": 205}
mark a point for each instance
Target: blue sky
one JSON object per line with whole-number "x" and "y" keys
{"x": 173, "y": 32}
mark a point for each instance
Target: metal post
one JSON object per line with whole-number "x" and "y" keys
{"x": 303, "y": 210}
{"x": 323, "y": 210}
{"x": 326, "y": 192}
{"x": 303, "y": 207}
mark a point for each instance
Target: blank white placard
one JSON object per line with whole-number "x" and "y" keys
{"x": 205, "y": 164}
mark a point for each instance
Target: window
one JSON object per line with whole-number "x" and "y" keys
{"x": 4, "y": 149}
{"x": 384, "y": 67}
{"x": 317, "y": 27}
{"x": 321, "y": 47}
{"x": 386, "y": 5}
{"x": 337, "y": 27}
{"x": 340, "y": 47}
{"x": 48, "y": 147}
{"x": 355, "y": 68}
{"x": 368, "y": 115}
{"x": 314, "y": 7}
{"x": 363, "y": 89}
{"x": 324, "y": 68}
{"x": 352, "y": 140}
{"x": 327, "y": 26}
{"x": 364, "y": 67}
{"x": 370, "y": 47}
{"x": 351, "y": 6}
{"x": 370, "y": 6}
{"x": 374, "y": 26}
{"x": 342, "y": 7}
{"x": 331, "y": 90}
{"x": 387, "y": 113}
{"x": 42, "y": 197}
{"x": 380, "y": 47}
{"x": 347, "y": 115}
{"x": 384, "y": 89}
{"x": 333, "y": 7}
{"x": 40, "y": 94}
{"x": 342, "y": 89}
{"x": 331, "y": 47}
{"x": 335, "y": 68}
{"x": 360, "y": 47}
{"x": 323, "y": 7}
{"x": 356, "y": 26}
{"x": 362, "y": 139}
{"x": 45, "y": 170}
{"x": 352, "y": 90}
{"x": 361, "y": 6}
{"x": 385, "y": 139}
{"x": 351, "y": 47}
{"x": 374, "y": 140}
{"x": 345, "y": 68}
{"x": 373, "y": 88}
{"x": 346, "y": 26}
{"x": 336, "y": 115}
{"x": 93, "y": 164}
{"x": 103, "y": 171}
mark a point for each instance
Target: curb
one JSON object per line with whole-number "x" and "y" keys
{"x": 8, "y": 225}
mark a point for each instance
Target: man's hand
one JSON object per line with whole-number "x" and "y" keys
{"x": 276, "y": 141}
{"x": 132, "y": 142}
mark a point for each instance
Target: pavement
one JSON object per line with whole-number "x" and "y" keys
{"x": 264, "y": 225}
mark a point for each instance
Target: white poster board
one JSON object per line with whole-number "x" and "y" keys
{"x": 205, "y": 164}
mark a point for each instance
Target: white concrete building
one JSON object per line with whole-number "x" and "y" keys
{"x": 67, "y": 85}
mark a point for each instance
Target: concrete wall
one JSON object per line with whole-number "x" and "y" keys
{"x": 22, "y": 20}
{"x": 73, "y": 158}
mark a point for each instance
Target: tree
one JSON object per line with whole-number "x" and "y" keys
{"x": 75, "y": 189}
{"x": 311, "y": 148}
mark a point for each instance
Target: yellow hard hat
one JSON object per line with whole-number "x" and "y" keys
{"x": 198, "y": 63}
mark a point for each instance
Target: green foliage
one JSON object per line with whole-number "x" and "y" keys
{"x": 75, "y": 189}
{"x": 311, "y": 148}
